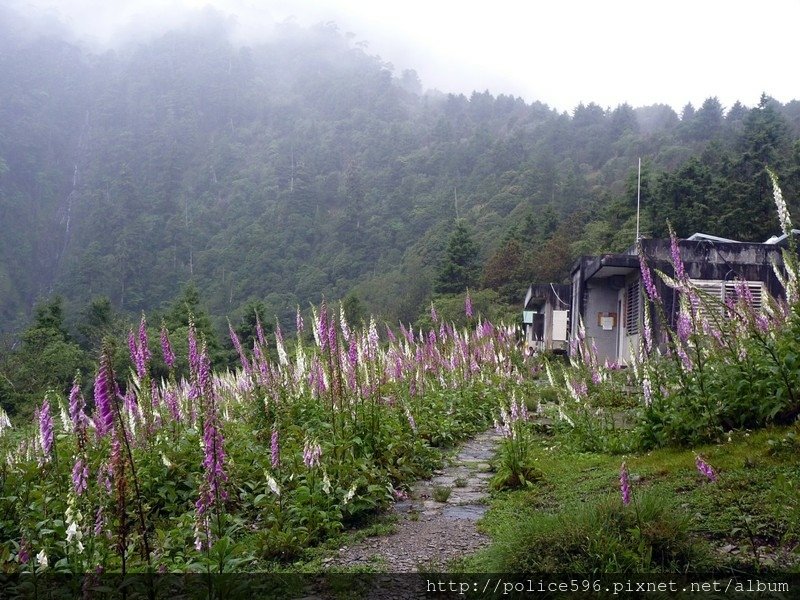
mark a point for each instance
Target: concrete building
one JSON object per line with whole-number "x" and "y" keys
{"x": 606, "y": 292}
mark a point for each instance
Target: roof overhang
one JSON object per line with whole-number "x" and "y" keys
{"x": 612, "y": 265}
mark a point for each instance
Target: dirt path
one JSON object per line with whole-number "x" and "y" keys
{"x": 431, "y": 533}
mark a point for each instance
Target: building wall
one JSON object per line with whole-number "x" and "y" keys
{"x": 601, "y": 299}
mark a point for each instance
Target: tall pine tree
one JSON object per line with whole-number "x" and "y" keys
{"x": 460, "y": 269}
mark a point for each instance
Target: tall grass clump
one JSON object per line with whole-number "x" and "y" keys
{"x": 599, "y": 536}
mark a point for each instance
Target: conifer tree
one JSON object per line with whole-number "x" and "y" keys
{"x": 460, "y": 269}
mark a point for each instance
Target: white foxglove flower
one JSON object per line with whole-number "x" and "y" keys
{"x": 780, "y": 204}
{"x": 350, "y": 493}
{"x": 5, "y": 422}
{"x": 326, "y": 483}
{"x": 41, "y": 559}
{"x": 74, "y": 536}
{"x": 273, "y": 485}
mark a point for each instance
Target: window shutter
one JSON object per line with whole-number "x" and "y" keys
{"x": 756, "y": 289}
{"x": 715, "y": 293}
{"x": 632, "y": 304}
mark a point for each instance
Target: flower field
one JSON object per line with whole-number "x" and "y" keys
{"x": 241, "y": 471}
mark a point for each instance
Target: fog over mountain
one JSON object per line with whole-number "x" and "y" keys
{"x": 560, "y": 53}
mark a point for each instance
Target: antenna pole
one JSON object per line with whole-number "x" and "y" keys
{"x": 638, "y": 198}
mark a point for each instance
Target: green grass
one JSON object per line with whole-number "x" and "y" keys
{"x": 441, "y": 493}
{"x": 573, "y": 518}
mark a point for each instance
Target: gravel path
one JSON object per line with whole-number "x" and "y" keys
{"x": 430, "y": 533}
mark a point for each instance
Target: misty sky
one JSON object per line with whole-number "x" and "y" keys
{"x": 560, "y": 52}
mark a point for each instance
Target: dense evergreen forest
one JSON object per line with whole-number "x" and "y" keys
{"x": 188, "y": 172}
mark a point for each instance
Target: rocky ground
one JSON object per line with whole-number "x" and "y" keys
{"x": 431, "y": 533}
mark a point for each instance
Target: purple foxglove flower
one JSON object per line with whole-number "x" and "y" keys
{"x": 298, "y": 321}
{"x": 675, "y": 254}
{"x": 311, "y": 454}
{"x": 46, "y": 428}
{"x": 171, "y": 400}
{"x": 76, "y": 406}
{"x": 687, "y": 362}
{"x": 238, "y": 345}
{"x": 624, "y": 485}
{"x": 166, "y": 348}
{"x": 352, "y": 353}
{"x": 132, "y": 348}
{"x": 104, "y": 475}
{"x": 262, "y": 339}
{"x": 80, "y": 476}
{"x": 24, "y": 554}
{"x": 514, "y": 408}
{"x": 99, "y": 522}
{"x": 144, "y": 344}
{"x": 214, "y": 458}
{"x": 275, "y": 451}
{"x": 434, "y": 316}
{"x": 103, "y": 397}
{"x": 468, "y": 306}
{"x": 705, "y": 468}
{"x": 684, "y": 326}
{"x": 332, "y": 335}
{"x": 194, "y": 356}
{"x": 373, "y": 340}
{"x": 322, "y": 325}
{"x": 647, "y": 279}
{"x": 390, "y": 334}
{"x": 316, "y": 378}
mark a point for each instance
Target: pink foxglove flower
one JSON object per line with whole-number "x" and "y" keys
{"x": 144, "y": 344}
{"x": 104, "y": 397}
{"x": 647, "y": 279}
{"x": 166, "y": 347}
{"x": 675, "y": 254}
{"x": 275, "y": 451}
{"x": 322, "y": 326}
{"x": 76, "y": 406}
{"x": 24, "y": 554}
{"x": 262, "y": 339}
{"x": 194, "y": 356}
{"x": 80, "y": 476}
{"x": 311, "y": 454}
{"x": 468, "y": 305}
{"x": 705, "y": 469}
{"x": 46, "y": 428}
{"x": 624, "y": 484}
{"x": 239, "y": 350}
{"x": 684, "y": 327}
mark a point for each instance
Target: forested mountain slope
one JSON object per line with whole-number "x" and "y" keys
{"x": 304, "y": 166}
